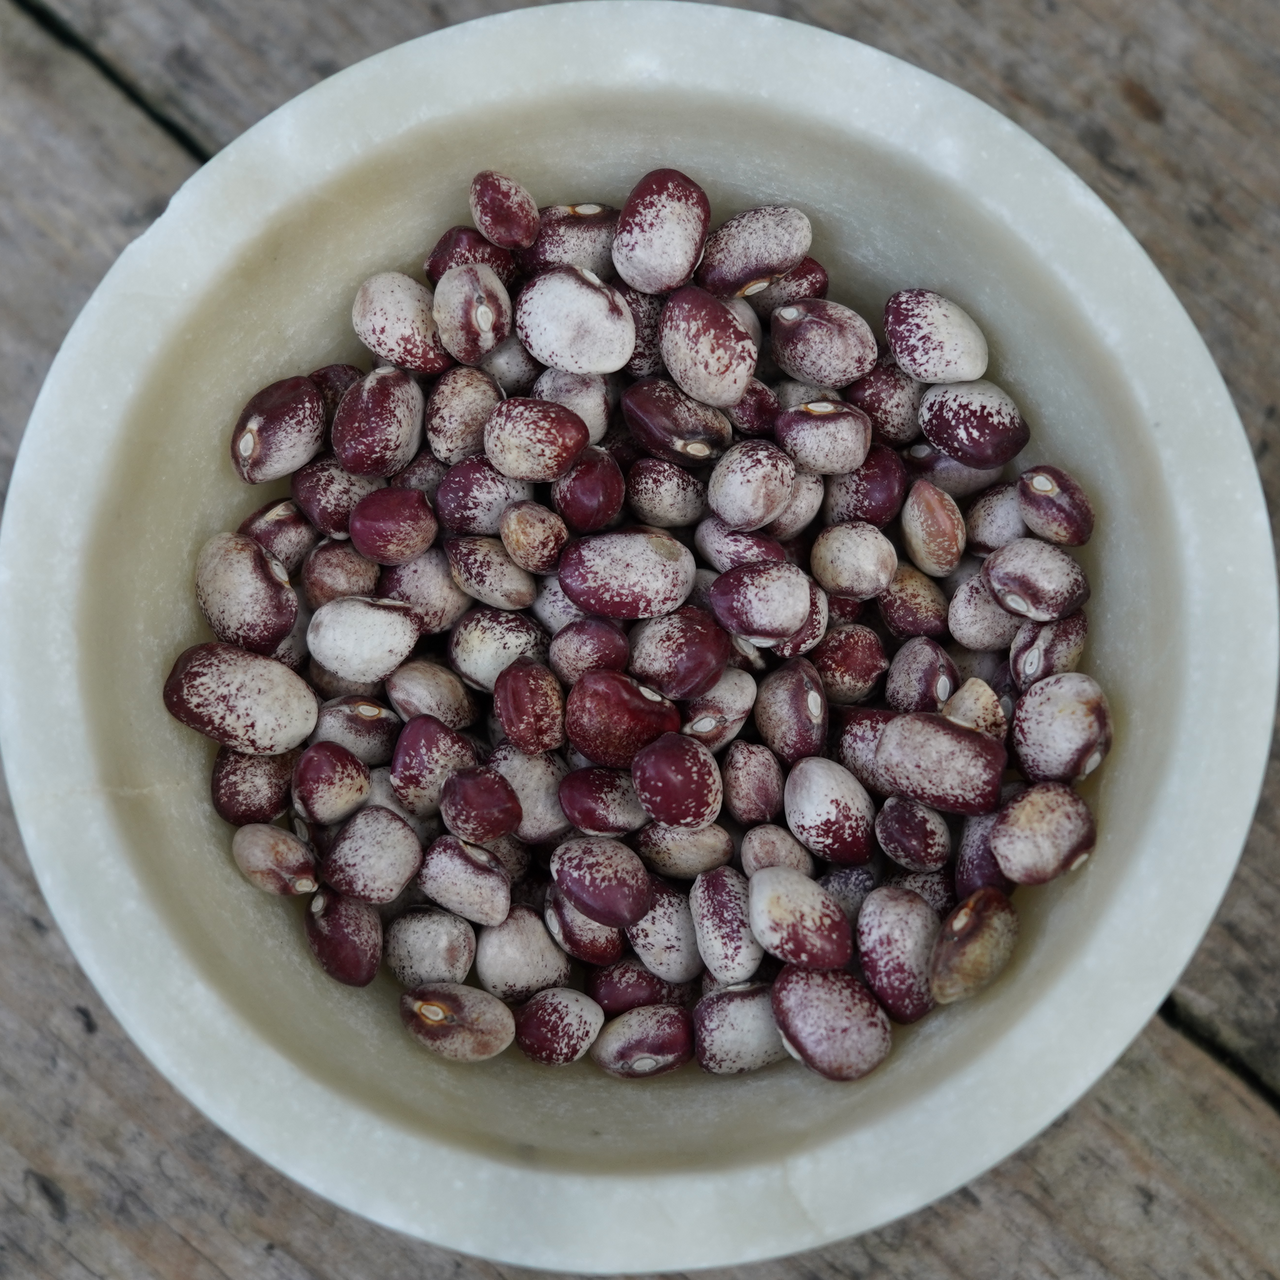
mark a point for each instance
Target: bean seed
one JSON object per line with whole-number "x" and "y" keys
{"x": 278, "y": 431}
{"x": 425, "y": 945}
{"x": 327, "y": 494}
{"x": 518, "y": 958}
{"x": 933, "y": 338}
{"x": 571, "y": 320}
{"x": 646, "y": 311}
{"x": 479, "y": 804}
{"x": 392, "y": 526}
{"x": 924, "y": 462}
{"x": 718, "y": 903}
{"x": 896, "y": 932}
{"x": 420, "y": 687}
{"x": 638, "y": 574}
{"x": 725, "y": 549}
{"x": 345, "y": 937}
{"x": 822, "y": 343}
{"x": 976, "y": 423}
{"x": 734, "y": 1030}
{"x": 716, "y": 716}
{"x": 553, "y": 608}
{"x": 574, "y": 235}
{"x": 426, "y": 753}
{"x": 751, "y": 485}
{"x": 472, "y": 312}
{"x": 849, "y": 886}
{"x": 661, "y": 231}
{"x": 334, "y": 569}
{"x": 708, "y": 351}
{"x": 976, "y": 866}
{"x": 360, "y": 638}
{"x": 426, "y": 585}
{"x": 859, "y": 739}
{"x": 512, "y": 367}
{"x": 941, "y": 764}
{"x": 503, "y": 210}
{"x": 1041, "y": 833}
{"x": 1054, "y": 506}
{"x": 976, "y": 706}
{"x": 557, "y": 1026}
{"x": 765, "y": 601}
{"x": 461, "y": 245}
{"x": 677, "y": 781}
{"x": 273, "y": 860}
{"x": 609, "y": 717}
{"x": 807, "y": 494}
{"x": 795, "y": 920}
{"x": 913, "y": 835}
{"x": 1035, "y": 580}
{"x": 973, "y": 946}
{"x": 664, "y": 495}
{"x": 536, "y": 779}
{"x": 755, "y": 413}
{"x": 890, "y": 397}
{"x": 456, "y": 410}
{"x": 771, "y": 846}
{"x": 332, "y": 381}
{"x": 250, "y": 789}
{"x": 825, "y": 437}
{"x": 601, "y": 802}
{"x": 672, "y": 426}
{"x": 830, "y": 1022}
{"x": 467, "y": 880}
{"x": 850, "y": 660}
{"x": 683, "y": 853}
{"x": 252, "y": 704}
{"x": 828, "y": 810}
{"x": 373, "y": 857}
{"x": 361, "y": 726}
{"x": 932, "y": 529}
{"x": 484, "y": 642}
{"x": 627, "y": 984}
{"x": 577, "y": 934}
{"x": 921, "y": 677}
{"x": 378, "y": 426}
{"x": 994, "y": 519}
{"x": 533, "y": 536}
{"x": 681, "y": 654}
{"x": 483, "y": 570}
{"x": 459, "y": 1023}
{"x": 978, "y": 620}
{"x": 604, "y": 880}
{"x": 1043, "y": 649}
{"x": 584, "y": 394}
{"x": 807, "y": 279}
{"x": 244, "y": 593}
{"x": 530, "y": 706}
{"x": 1062, "y": 728}
{"x": 282, "y": 531}
{"x": 853, "y": 559}
{"x": 644, "y": 1042}
{"x": 913, "y": 605}
{"x": 791, "y": 711}
{"x": 593, "y": 644}
{"x": 752, "y": 780}
{"x": 533, "y": 439}
{"x": 664, "y": 938}
{"x": 589, "y": 495}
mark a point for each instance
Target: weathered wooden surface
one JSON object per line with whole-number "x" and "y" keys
{"x": 1171, "y": 1166}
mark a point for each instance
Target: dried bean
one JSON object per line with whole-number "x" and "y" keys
{"x": 484, "y": 642}
{"x": 467, "y": 880}
{"x": 592, "y": 644}
{"x": 664, "y": 495}
{"x": 976, "y": 706}
{"x": 360, "y": 726}
{"x": 538, "y": 440}
{"x": 420, "y": 687}
{"x": 724, "y": 549}
{"x": 921, "y": 677}
{"x": 601, "y": 802}
{"x": 426, "y": 753}
{"x": 853, "y": 559}
{"x": 273, "y": 860}
{"x": 830, "y": 1022}
{"x": 681, "y": 654}
{"x": 426, "y": 585}
{"x": 822, "y": 343}
{"x": 976, "y": 866}
{"x": 751, "y": 485}
{"x": 978, "y": 620}
{"x": 807, "y": 494}
{"x": 791, "y": 711}
{"x": 472, "y": 312}
{"x": 1041, "y": 833}
{"x": 1054, "y": 506}
{"x": 828, "y": 810}
{"x": 577, "y": 934}
{"x": 677, "y": 781}
{"x": 829, "y": 438}
{"x": 345, "y": 937}
{"x": 1035, "y": 580}
{"x": 765, "y": 601}
{"x": 574, "y": 235}
{"x": 553, "y": 608}
{"x": 373, "y": 857}
{"x": 850, "y": 660}
{"x": 582, "y": 393}
{"x": 771, "y": 846}
{"x": 609, "y": 717}
{"x": 913, "y": 835}
{"x": 327, "y": 494}
{"x": 890, "y": 397}
{"x": 518, "y": 958}
{"x": 425, "y": 945}
{"x": 359, "y": 638}
{"x": 858, "y": 742}
{"x": 718, "y": 903}
{"x": 849, "y": 886}
{"x": 249, "y": 789}
{"x": 627, "y": 984}
{"x": 734, "y": 1030}
{"x": 994, "y": 519}
{"x": 644, "y": 1042}
{"x": 975, "y": 943}
{"x": 795, "y": 920}
{"x": 664, "y": 938}
{"x": 661, "y": 231}
{"x": 392, "y": 526}
{"x": 941, "y": 764}
{"x": 378, "y": 426}
{"x": 456, "y": 410}
{"x": 333, "y": 570}
{"x": 896, "y": 932}
{"x": 932, "y": 529}
{"x": 512, "y": 367}
{"x": 752, "y": 780}
{"x": 479, "y": 805}
{"x": 536, "y": 779}
{"x": 933, "y": 338}
{"x": 1043, "y": 649}
{"x": 604, "y": 880}
{"x": 716, "y": 716}
{"x": 570, "y": 320}
{"x": 807, "y": 279}
{"x": 976, "y": 423}
{"x": 673, "y": 426}
{"x": 461, "y": 245}
{"x": 589, "y": 495}
{"x": 707, "y": 350}
{"x": 483, "y": 570}
{"x": 1062, "y": 728}
{"x": 913, "y": 605}
{"x": 557, "y": 1026}
{"x": 530, "y": 706}
{"x": 638, "y": 574}
{"x": 244, "y": 593}
{"x": 755, "y": 413}
{"x": 505, "y": 213}
{"x": 924, "y": 462}
{"x": 457, "y": 1022}
{"x": 646, "y": 311}
{"x": 533, "y": 536}
{"x": 682, "y": 852}
{"x": 278, "y": 431}
{"x": 282, "y": 531}
{"x": 328, "y": 685}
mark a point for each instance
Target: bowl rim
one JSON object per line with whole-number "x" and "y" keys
{"x": 402, "y": 1182}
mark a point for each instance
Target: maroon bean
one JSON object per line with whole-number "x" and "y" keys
{"x": 682, "y": 853}
{"x": 896, "y": 932}
{"x": 677, "y": 781}
{"x": 327, "y": 494}
{"x": 764, "y": 601}
{"x": 329, "y": 783}
{"x": 673, "y": 426}
{"x": 484, "y": 642}
{"x": 1054, "y": 506}
{"x": 425, "y": 945}
{"x": 924, "y": 462}
{"x": 977, "y": 619}
{"x": 609, "y": 717}
{"x": 426, "y": 585}
{"x": 361, "y": 726}
{"x": 589, "y": 494}
{"x": 573, "y": 235}
{"x": 724, "y": 548}
{"x": 604, "y": 880}
{"x": 932, "y": 529}
{"x": 976, "y": 423}
{"x": 273, "y": 860}
{"x": 251, "y": 789}
{"x": 362, "y": 639}
{"x": 755, "y": 413}
{"x": 807, "y": 279}
{"x": 681, "y": 654}
{"x": 336, "y": 569}
{"x": 459, "y": 1023}
{"x": 512, "y": 367}
{"x": 505, "y": 213}
{"x": 461, "y": 245}
{"x": 472, "y": 312}
{"x": 718, "y": 903}
{"x": 536, "y": 779}
{"x": 754, "y": 249}
{"x": 373, "y": 857}
{"x": 456, "y": 410}
{"x": 717, "y": 716}
{"x": 664, "y": 495}
{"x": 752, "y": 779}
{"x": 601, "y": 802}
{"x": 822, "y": 343}
{"x": 921, "y": 676}
{"x": 913, "y": 605}
{"x": 994, "y": 519}
{"x": 1043, "y": 649}
{"x": 975, "y": 943}
{"x": 533, "y": 536}
{"x": 913, "y": 835}
{"x": 941, "y": 764}
{"x": 530, "y": 706}
{"x": 627, "y": 984}
{"x": 332, "y": 382}
{"x": 890, "y": 397}
{"x": 392, "y": 526}
{"x": 707, "y": 350}
{"x": 252, "y": 704}
{"x": 467, "y": 880}
{"x": 976, "y": 706}
{"x": 571, "y": 320}
{"x": 328, "y": 685}
{"x": 661, "y": 231}
{"x": 795, "y": 920}
{"x": 585, "y": 394}
{"x": 517, "y": 958}
{"x": 849, "y": 886}
{"x": 1041, "y": 833}
{"x": 850, "y": 660}
{"x": 278, "y": 431}
{"x": 825, "y": 436}
{"x": 557, "y": 1026}
{"x": 479, "y": 804}
{"x": 830, "y": 1022}
{"x": 577, "y": 934}
{"x": 474, "y": 495}
{"x": 734, "y": 1030}
{"x": 593, "y": 644}
{"x": 378, "y": 426}
{"x": 791, "y": 711}
{"x": 646, "y": 311}
{"x": 859, "y": 739}
{"x": 345, "y": 937}
{"x": 244, "y": 593}
{"x": 638, "y": 574}
{"x": 1062, "y": 728}
{"x": 976, "y": 866}
{"x": 842, "y": 609}
{"x": 426, "y": 753}
{"x": 644, "y": 1042}
{"x": 533, "y": 439}
{"x": 853, "y": 559}
{"x": 664, "y": 938}
{"x": 1035, "y": 580}
{"x": 282, "y": 531}
{"x": 771, "y": 846}
{"x": 828, "y": 811}
{"x": 933, "y": 338}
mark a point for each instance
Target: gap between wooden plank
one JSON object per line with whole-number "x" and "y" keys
{"x": 1173, "y": 1017}
{"x": 67, "y": 36}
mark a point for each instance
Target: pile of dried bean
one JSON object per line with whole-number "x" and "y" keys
{"x": 636, "y": 562}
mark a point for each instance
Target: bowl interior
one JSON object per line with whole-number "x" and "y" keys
{"x": 882, "y": 222}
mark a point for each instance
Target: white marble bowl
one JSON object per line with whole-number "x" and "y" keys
{"x": 249, "y": 277}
